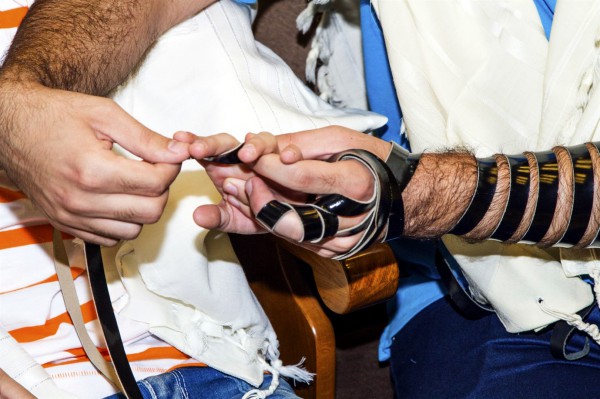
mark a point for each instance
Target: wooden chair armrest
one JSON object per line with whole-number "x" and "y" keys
{"x": 365, "y": 279}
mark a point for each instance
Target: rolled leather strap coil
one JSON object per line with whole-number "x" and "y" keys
{"x": 547, "y": 196}
{"x": 343, "y": 206}
{"x": 229, "y": 157}
{"x": 402, "y": 165}
{"x": 517, "y": 200}
{"x": 387, "y": 193}
{"x": 596, "y": 241}
{"x": 487, "y": 171}
{"x": 583, "y": 194}
{"x": 317, "y": 223}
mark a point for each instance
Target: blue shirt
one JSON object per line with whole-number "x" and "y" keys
{"x": 422, "y": 287}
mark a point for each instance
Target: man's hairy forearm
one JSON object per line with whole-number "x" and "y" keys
{"x": 89, "y": 46}
{"x": 546, "y": 198}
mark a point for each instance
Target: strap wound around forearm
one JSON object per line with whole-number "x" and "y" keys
{"x": 583, "y": 192}
{"x": 487, "y": 171}
{"x": 547, "y": 196}
{"x": 517, "y": 200}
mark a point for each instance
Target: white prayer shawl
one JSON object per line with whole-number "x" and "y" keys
{"x": 481, "y": 74}
{"x": 207, "y": 75}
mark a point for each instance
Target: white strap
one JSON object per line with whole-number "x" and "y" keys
{"x": 67, "y": 287}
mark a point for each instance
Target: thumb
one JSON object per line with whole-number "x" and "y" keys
{"x": 123, "y": 129}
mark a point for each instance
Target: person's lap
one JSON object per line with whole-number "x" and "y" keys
{"x": 440, "y": 354}
{"x": 203, "y": 382}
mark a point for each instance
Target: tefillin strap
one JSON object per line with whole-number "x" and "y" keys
{"x": 517, "y": 200}
{"x": 583, "y": 194}
{"x": 384, "y": 212}
{"x": 487, "y": 170}
{"x": 547, "y": 196}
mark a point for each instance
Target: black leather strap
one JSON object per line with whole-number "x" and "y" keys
{"x": 229, "y": 158}
{"x": 459, "y": 297}
{"x": 343, "y": 206}
{"x": 561, "y": 333}
{"x": 486, "y": 188}
{"x": 517, "y": 200}
{"x": 547, "y": 196}
{"x": 108, "y": 322}
{"x": 583, "y": 180}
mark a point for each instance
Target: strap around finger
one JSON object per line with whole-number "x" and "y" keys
{"x": 229, "y": 157}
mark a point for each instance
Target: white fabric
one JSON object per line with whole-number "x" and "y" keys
{"x": 481, "y": 74}
{"x": 335, "y": 60}
{"x": 176, "y": 280}
{"x": 209, "y": 75}
{"x": 30, "y": 375}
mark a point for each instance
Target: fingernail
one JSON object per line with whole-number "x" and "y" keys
{"x": 249, "y": 187}
{"x": 229, "y": 188}
{"x": 177, "y": 147}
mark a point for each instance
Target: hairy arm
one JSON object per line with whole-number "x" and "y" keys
{"x": 90, "y": 46}
{"x": 547, "y": 198}
{"x": 56, "y": 139}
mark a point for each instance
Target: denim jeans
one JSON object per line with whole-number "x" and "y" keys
{"x": 203, "y": 382}
{"x": 440, "y": 354}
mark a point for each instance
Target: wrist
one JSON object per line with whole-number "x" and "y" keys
{"x": 439, "y": 193}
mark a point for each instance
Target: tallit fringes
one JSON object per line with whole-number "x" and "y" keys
{"x": 573, "y": 320}
{"x": 317, "y": 61}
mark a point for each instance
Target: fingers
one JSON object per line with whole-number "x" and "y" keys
{"x": 349, "y": 178}
{"x": 111, "y": 173}
{"x": 291, "y": 154}
{"x": 291, "y": 228}
{"x": 123, "y": 129}
{"x": 331, "y": 140}
{"x": 288, "y": 226}
{"x": 210, "y": 146}
{"x": 257, "y": 145}
{"x": 226, "y": 218}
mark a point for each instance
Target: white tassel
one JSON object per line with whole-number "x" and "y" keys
{"x": 573, "y": 320}
{"x": 320, "y": 48}
{"x": 277, "y": 369}
{"x": 262, "y": 394}
{"x": 306, "y": 17}
{"x": 297, "y": 372}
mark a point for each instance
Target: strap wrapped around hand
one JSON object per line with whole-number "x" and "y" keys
{"x": 320, "y": 217}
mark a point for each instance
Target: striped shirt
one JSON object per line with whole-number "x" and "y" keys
{"x": 31, "y": 306}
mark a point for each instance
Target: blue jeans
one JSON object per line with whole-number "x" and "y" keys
{"x": 203, "y": 382}
{"x": 440, "y": 354}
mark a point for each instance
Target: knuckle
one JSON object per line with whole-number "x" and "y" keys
{"x": 132, "y": 232}
{"x": 86, "y": 178}
{"x": 73, "y": 204}
{"x": 154, "y": 215}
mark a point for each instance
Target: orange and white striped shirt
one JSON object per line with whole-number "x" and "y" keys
{"x": 31, "y": 305}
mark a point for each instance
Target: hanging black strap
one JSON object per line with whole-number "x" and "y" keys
{"x": 460, "y": 298}
{"x": 106, "y": 316}
{"x": 561, "y": 333}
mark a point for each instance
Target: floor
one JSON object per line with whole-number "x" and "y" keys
{"x": 359, "y": 374}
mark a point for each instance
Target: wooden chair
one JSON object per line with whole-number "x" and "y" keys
{"x": 293, "y": 284}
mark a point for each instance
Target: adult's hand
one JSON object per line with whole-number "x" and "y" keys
{"x": 57, "y": 149}
{"x": 287, "y": 168}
